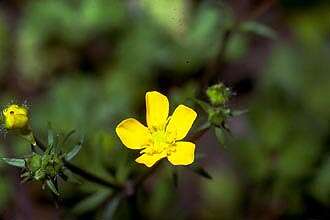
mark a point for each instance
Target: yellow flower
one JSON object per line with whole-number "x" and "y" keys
{"x": 162, "y": 138}
{"x": 15, "y": 117}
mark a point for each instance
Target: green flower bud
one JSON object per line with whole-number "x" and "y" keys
{"x": 42, "y": 167}
{"x": 218, "y": 94}
{"x": 34, "y": 163}
{"x": 216, "y": 117}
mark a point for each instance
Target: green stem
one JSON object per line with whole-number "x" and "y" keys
{"x": 91, "y": 177}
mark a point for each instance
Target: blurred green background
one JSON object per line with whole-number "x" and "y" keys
{"x": 86, "y": 65}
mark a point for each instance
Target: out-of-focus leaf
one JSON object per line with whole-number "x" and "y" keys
{"x": 4, "y": 34}
{"x": 72, "y": 178}
{"x": 50, "y": 136}
{"x": 312, "y": 28}
{"x": 67, "y": 136}
{"x": 259, "y": 29}
{"x": 200, "y": 171}
{"x": 238, "y": 112}
{"x": 91, "y": 202}
{"x": 171, "y": 14}
{"x": 4, "y": 191}
{"x": 201, "y": 41}
{"x": 69, "y": 156}
{"x": 237, "y": 47}
{"x": 297, "y": 158}
{"x": 183, "y": 93}
{"x": 221, "y": 197}
{"x": 162, "y": 197}
{"x": 111, "y": 207}
{"x": 220, "y": 133}
{"x": 320, "y": 187}
{"x": 204, "y": 105}
{"x": 100, "y": 15}
{"x": 14, "y": 162}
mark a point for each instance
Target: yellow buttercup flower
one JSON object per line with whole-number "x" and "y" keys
{"x": 15, "y": 117}
{"x": 162, "y": 138}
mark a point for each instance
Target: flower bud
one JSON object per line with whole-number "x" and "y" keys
{"x": 218, "y": 94}
{"x": 42, "y": 167}
{"x": 15, "y": 117}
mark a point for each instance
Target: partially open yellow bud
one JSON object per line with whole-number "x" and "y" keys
{"x": 15, "y": 117}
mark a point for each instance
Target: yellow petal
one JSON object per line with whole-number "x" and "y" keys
{"x": 20, "y": 121}
{"x": 9, "y": 122}
{"x": 15, "y": 109}
{"x": 184, "y": 153}
{"x": 181, "y": 122}
{"x": 157, "y": 109}
{"x": 133, "y": 134}
{"x": 149, "y": 159}
{"x": 16, "y": 117}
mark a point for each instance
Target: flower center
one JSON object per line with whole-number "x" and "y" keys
{"x": 162, "y": 142}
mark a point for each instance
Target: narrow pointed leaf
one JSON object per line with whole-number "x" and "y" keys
{"x": 14, "y": 162}
{"x": 25, "y": 179}
{"x": 72, "y": 178}
{"x": 200, "y": 171}
{"x": 67, "y": 136}
{"x": 204, "y": 105}
{"x": 238, "y": 112}
{"x": 91, "y": 202}
{"x": 52, "y": 187}
{"x": 221, "y": 135}
{"x": 259, "y": 29}
{"x": 50, "y": 135}
{"x": 111, "y": 208}
{"x": 69, "y": 156}
{"x": 63, "y": 176}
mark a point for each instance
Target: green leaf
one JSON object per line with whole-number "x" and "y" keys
{"x": 259, "y": 29}
{"x": 91, "y": 202}
{"x": 200, "y": 171}
{"x": 50, "y": 135}
{"x": 72, "y": 178}
{"x": 14, "y": 162}
{"x": 69, "y": 156}
{"x": 204, "y": 105}
{"x": 221, "y": 135}
{"x": 67, "y": 136}
{"x": 169, "y": 14}
{"x": 112, "y": 207}
{"x": 238, "y": 112}
{"x": 320, "y": 186}
{"x": 52, "y": 187}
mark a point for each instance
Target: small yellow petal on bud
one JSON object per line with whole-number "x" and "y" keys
{"x": 15, "y": 117}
